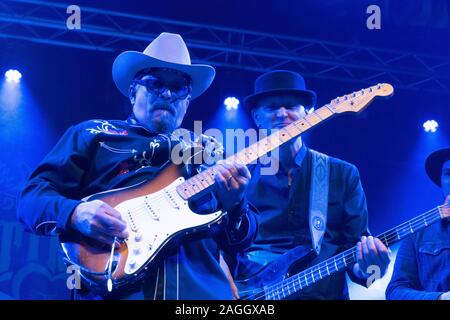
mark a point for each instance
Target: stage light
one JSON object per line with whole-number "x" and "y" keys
{"x": 13, "y": 76}
{"x": 231, "y": 103}
{"x": 430, "y": 126}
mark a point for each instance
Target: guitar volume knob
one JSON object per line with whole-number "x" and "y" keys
{"x": 136, "y": 250}
{"x": 138, "y": 237}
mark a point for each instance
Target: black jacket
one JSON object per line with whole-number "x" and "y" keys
{"x": 100, "y": 155}
{"x": 283, "y": 220}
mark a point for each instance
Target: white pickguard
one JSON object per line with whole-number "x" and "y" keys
{"x": 153, "y": 219}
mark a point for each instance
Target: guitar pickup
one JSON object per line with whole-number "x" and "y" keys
{"x": 171, "y": 199}
{"x": 150, "y": 210}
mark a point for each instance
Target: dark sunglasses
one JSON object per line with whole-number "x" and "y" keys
{"x": 286, "y": 106}
{"x": 157, "y": 87}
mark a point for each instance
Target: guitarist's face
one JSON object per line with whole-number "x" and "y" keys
{"x": 445, "y": 178}
{"x": 161, "y": 100}
{"x": 277, "y": 112}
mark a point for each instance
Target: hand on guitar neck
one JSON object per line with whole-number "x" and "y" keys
{"x": 97, "y": 220}
{"x": 370, "y": 252}
{"x": 445, "y": 207}
{"x": 231, "y": 179}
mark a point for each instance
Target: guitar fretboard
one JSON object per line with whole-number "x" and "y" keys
{"x": 205, "y": 179}
{"x": 347, "y": 258}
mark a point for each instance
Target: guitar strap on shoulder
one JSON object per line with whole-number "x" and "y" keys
{"x": 318, "y": 201}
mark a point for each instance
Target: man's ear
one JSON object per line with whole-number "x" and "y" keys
{"x": 255, "y": 116}
{"x": 132, "y": 95}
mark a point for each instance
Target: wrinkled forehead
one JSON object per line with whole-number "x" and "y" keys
{"x": 166, "y": 75}
{"x": 286, "y": 100}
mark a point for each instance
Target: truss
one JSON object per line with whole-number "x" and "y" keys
{"x": 113, "y": 31}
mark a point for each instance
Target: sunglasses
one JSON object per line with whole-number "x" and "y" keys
{"x": 289, "y": 106}
{"x": 157, "y": 87}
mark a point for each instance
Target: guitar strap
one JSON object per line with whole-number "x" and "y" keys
{"x": 318, "y": 201}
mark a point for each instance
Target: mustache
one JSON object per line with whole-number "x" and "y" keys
{"x": 164, "y": 106}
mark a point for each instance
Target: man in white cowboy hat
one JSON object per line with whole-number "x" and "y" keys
{"x": 99, "y": 155}
{"x": 313, "y": 201}
{"x": 422, "y": 265}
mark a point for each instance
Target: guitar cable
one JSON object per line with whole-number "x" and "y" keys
{"x": 110, "y": 284}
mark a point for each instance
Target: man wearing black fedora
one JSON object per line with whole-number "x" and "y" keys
{"x": 422, "y": 265}
{"x": 313, "y": 200}
{"x": 99, "y": 155}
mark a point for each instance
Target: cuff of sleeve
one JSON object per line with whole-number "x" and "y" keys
{"x": 66, "y": 210}
{"x": 238, "y": 210}
{"x": 238, "y": 232}
{"x": 238, "y": 226}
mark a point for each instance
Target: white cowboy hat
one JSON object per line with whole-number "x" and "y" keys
{"x": 168, "y": 50}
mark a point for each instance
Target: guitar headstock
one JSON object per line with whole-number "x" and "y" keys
{"x": 359, "y": 100}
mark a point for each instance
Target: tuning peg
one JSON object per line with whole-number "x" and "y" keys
{"x": 354, "y": 94}
{"x": 379, "y": 86}
{"x": 362, "y": 91}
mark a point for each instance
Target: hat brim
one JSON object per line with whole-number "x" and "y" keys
{"x": 309, "y": 97}
{"x": 129, "y": 63}
{"x": 434, "y": 163}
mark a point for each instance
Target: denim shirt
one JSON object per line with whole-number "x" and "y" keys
{"x": 422, "y": 266}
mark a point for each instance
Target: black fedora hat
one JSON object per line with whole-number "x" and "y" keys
{"x": 280, "y": 82}
{"x": 434, "y": 163}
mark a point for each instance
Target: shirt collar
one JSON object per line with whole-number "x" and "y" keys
{"x": 301, "y": 153}
{"x": 131, "y": 120}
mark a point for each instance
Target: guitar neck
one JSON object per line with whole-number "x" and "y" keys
{"x": 347, "y": 258}
{"x": 354, "y": 102}
{"x": 205, "y": 179}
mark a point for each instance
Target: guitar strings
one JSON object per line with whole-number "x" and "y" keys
{"x": 271, "y": 147}
{"x": 388, "y": 236}
{"x": 351, "y": 253}
{"x": 400, "y": 232}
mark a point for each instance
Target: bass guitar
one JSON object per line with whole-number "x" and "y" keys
{"x": 276, "y": 282}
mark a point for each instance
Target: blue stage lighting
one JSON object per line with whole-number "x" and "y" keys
{"x": 430, "y": 126}
{"x": 13, "y": 76}
{"x": 231, "y": 103}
